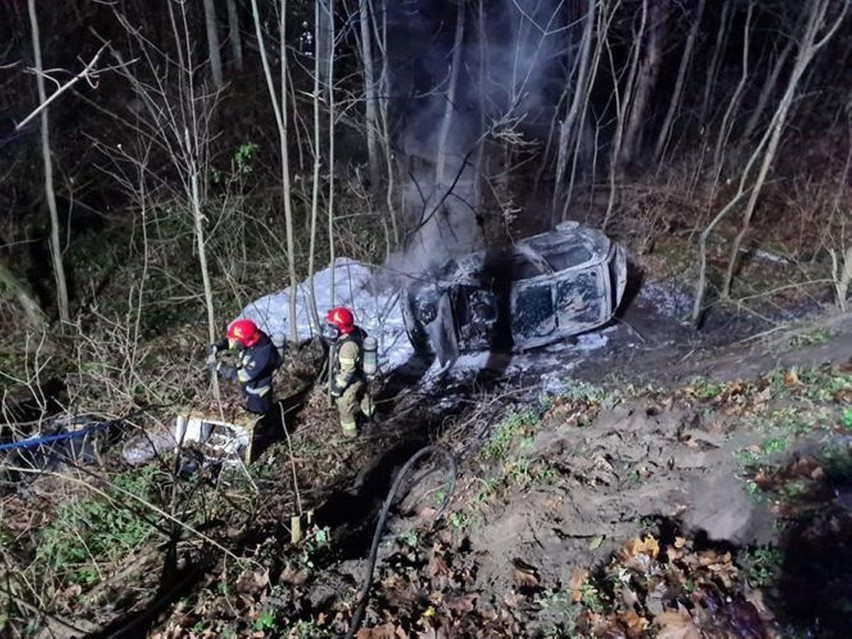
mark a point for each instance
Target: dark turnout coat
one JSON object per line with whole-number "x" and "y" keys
{"x": 255, "y": 368}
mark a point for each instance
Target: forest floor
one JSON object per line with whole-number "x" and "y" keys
{"x": 648, "y": 481}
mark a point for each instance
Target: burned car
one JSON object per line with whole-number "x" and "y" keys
{"x": 545, "y": 288}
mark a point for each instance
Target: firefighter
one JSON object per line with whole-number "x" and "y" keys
{"x": 257, "y": 360}
{"x": 349, "y": 384}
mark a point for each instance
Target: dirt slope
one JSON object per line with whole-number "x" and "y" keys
{"x": 552, "y": 505}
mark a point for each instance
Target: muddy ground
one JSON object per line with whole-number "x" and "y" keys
{"x": 646, "y": 481}
{"x": 641, "y": 505}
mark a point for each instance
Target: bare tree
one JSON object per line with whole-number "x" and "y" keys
{"x": 770, "y": 85}
{"x": 365, "y": 8}
{"x": 568, "y": 128}
{"x": 279, "y": 108}
{"x": 677, "y": 93}
{"x": 380, "y": 36}
{"x": 764, "y": 152}
{"x": 808, "y": 48}
{"x": 733, "y": 103}
{"x": 55, "y": 247}
{"x": 713, "y": 68}
{"x": 234, "y": 35}
{"x": 646, "y": 79}
{"x": 317, "y": 147}
{"x": 213, "y": 43}
{"x": 450, "y": 103}
{"x": 174, "y": 114}
{"x": 328, "y": 6}
{"x": 622, "y": 104}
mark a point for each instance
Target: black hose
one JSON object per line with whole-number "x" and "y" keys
{"x": 363, "y": 598}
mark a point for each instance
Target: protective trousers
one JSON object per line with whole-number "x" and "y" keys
{"x": 354, "y": 400}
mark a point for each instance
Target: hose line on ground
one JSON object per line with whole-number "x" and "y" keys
{"x": 363, "y": 597}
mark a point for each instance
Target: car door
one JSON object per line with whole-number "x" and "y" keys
{"x": 582, "y": 300}
{"x": 533, "y": 310}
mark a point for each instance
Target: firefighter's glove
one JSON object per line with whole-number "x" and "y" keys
{"x": 337, "y": 390}
{"x": 226, "y": 371}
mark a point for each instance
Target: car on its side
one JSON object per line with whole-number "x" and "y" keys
{"x": 541, "y": 290}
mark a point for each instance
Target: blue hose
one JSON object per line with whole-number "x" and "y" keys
{"x": 49, "y": 439}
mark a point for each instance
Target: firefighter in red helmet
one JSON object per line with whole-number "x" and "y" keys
{"x": 257, "y": 360}
{"x": 348, "y": 383}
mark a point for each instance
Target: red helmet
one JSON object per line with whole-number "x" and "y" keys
{"x": 243, "y": 331}
{"x": 342, "y": 318}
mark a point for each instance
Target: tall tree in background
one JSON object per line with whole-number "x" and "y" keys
{"x": 279, "y": 108}
{"x": 675, "y": 101}
{"x": 646, "y": 80}
{"x": 55, "y": 248}
{"x": 570, "y": 127}
{"x": 365, "y": 10}
{"x": 234, "y": 35}
{"x": 213, "y": 43}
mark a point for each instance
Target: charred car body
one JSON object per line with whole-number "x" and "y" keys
{"x": 543, "y": 289}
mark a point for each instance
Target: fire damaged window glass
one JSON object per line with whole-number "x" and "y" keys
{"x": 533, "y": 311}
{"x": 578, "y": 301}
{"x": 523, "y": 269}
{"x": 568, "y": 257}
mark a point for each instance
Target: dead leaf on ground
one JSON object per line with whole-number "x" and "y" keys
{"x": 676, "y": 624}
{"x": 462, "y": 603}
{"x": 252, "y": 582}
{"x": 386, "y": 631}
{"x": 525, "y": 576}
{"x": 291, "y": 575}
{"x": 432, "y": 633}
{"x": 438, "y": 566}
{"x": 633, "y": 623}
{"x": 578, "y": 580}
{"x": 636, "y": 552}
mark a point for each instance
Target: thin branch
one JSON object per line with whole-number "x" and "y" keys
{"x": 88, "y": 72}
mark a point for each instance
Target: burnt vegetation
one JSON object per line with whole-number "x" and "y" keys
{"x": 164, "y": 163}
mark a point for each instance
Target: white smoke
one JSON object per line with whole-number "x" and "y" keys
{"x": 521, "y": 39}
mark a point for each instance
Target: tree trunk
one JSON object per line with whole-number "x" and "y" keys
{"x": 385, "y": 90}
{"x": 316, "y": 175}
{"x": 842, "y": 275}
{"x": 450, "y": 104}
{"x": 727, "y": 120}
{"x": 325, "y": 40}
{"x": 55, "y": 248}
{"x": 370, "y": 110}
{"x": 198, "y": 219}
{"x": 566, "y": 130}
{"x": 35, "y": 316}
{"x": 674, "y": 105}
{"x": 213, "y": 43}
{"x": 234, "y": 34}
{"x": 331, "y": 115}
{"x": 622, "y": 102}
{"x": 713, "y": 68}
{"x": 279, "y": 108}
{"x": 603, "y": 25}
{"x": 645, "y": 81}
{"x": 479, "y": 171}
{"x": 767, "y": 91}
